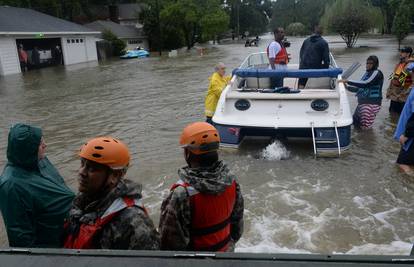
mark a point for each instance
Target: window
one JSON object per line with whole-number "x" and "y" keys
{"x": 77, "y": 40}
{"x": 72, "y": 41}
{"x": 81, "y": 40}
{"x": 68, "y": 41}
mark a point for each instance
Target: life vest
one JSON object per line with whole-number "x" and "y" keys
{"x": 401, "y": 77}
{"x": 210, "y": 220}
{"x": 282, "y": 57}
{"x": 83, "y": 238}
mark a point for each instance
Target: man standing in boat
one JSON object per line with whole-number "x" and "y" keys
{"x": 204, "y": 210}
{"x": 400, "y": 84}
{"x": 314, "y": 54}
{"x": 108, "y": 212}
{"x": 278, "y": 56}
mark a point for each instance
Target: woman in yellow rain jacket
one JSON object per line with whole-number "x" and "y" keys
{"x": 217, "y": 83}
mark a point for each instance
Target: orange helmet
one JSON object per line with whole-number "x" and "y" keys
{"x": 107, "y": 151}
{"x": 200, "y": 138}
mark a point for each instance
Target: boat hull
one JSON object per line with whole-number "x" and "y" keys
{"x": 233, "y": 135}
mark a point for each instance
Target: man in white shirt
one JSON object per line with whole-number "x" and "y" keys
{"x": 278, "y": 56}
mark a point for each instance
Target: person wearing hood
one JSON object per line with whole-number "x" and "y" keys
{"x": 218, "y": 82}
{"x": 369, "y": 93}
{"x": 404, "y": 132}
{"x": 108, "y": 212}
{"x": 314, "y": 54}
{"x": 204, "y": 209}
{"x": 34, "y": 199}
{"x": 401, "y": 82}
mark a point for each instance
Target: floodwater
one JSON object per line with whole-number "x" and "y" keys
{"x": 359, "y": 203}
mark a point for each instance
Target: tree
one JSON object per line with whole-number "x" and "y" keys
{"x": 295, "y": 29}
{"x": 182, "y": 15}
{"x": 213, "y": 23}
{"x": 350, "y": 18}
{"x": 118, "y": 45}
{"x": 249, "y": 15}
{"x": 307, "y": 12}
{"x": 401, "y": 25}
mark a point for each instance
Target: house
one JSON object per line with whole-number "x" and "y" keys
{"x": 35, "y": 30}
{"x": 126, "y": 14}
{"x": 130, "y": 34}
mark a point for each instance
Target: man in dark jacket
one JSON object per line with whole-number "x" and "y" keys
{"x": 314, "y": 54}
{"x": 34, "y": 199}
{"x": 204, "y": 210}
{"x": 108, "y": 212}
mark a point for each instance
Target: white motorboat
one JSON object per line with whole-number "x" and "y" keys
{"x": 320, "y": 111}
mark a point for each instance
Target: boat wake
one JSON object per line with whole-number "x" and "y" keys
{"x": 275, "y": 151}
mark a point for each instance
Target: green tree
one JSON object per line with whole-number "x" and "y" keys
{"x": 182, "y": 15}
{"x": 350, "y": 18}
{"x": 402, "y": 21}
{"x": 118, "y": 45}
{"x": 249, "y": 15}
{"x": 307, "y": 12}
{"x": 213, "y": 23}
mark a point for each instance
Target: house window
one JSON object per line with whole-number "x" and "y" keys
{"x": 68, "y": 41}
{"x": 81, "y": 40}
{"x": 73, "y": 41}
{"x": 77, "y": 40}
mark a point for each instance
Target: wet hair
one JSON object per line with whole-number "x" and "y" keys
{"x": 318, "y": 29}
{"x": 219, "y": 65}
{"x": 204, "y": 160}
{"x": 375, "y": 60}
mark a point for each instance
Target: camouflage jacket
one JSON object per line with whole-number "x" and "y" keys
{"x": 131, "y": 228}
{"x": 175, "y": 220}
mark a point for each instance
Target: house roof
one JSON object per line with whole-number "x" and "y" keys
{"x": 129, "y": 11}
{"x": 14, "y": 20}
{"x": 120, "y": 31}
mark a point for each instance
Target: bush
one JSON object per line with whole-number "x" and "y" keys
{"x": 118, "y": 45}
{"x": 295, "y": 29}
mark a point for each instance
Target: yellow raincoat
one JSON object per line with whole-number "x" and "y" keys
{"x": 217, "y": 84}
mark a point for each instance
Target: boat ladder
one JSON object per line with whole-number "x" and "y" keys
{"x": 319, "y": 141}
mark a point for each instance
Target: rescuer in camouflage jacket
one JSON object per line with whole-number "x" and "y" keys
{"x": 206, "y": 176}
{"x": 108, "y": 213}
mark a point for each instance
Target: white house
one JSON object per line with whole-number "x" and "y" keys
{"x": 34, "y": 29}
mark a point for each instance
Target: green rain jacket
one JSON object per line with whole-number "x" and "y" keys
{"x": 34, "y": 199}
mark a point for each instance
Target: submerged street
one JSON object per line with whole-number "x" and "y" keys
{"x": 358, "y": 204}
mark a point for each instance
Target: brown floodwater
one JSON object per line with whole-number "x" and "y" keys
{"x": 359, "y": 203}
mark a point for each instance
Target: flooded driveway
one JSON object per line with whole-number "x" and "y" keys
{"x": 359, "y": 203}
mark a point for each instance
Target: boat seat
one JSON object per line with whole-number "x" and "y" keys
{"x": 320, "y": 83}
{"x": 259, "y": 83}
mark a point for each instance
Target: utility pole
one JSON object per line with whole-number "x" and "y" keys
{"x": 238, "y": 19}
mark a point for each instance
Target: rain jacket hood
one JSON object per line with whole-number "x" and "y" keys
{"x": 34, "y": 199}
{"x": 23, "y": 146}
{"x": 213, "y": 180}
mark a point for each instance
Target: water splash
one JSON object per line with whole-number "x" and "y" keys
{"x": 275, "y": 151}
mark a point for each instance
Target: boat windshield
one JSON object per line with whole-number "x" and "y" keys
{"x": 260, "y": 61}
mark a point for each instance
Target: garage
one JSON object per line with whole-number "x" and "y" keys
{"x": 50, "y": 41}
